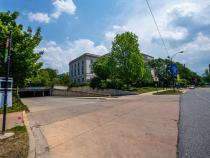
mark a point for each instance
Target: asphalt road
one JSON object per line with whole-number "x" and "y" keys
{"x": 194, "y": 128}
{"x": 143, "y": 126}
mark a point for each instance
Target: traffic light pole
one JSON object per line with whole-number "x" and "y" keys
{"x": 7, "y": 68}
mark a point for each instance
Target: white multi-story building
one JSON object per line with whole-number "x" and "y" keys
{"x": 81, "y": 70}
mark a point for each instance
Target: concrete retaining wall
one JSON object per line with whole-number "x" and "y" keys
{"x": 88, "y": 92}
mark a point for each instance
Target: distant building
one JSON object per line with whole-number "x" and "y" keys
{"x": 81, "y": 71}
{"x": 147, "y": 58}
{"x": 209, "y": 68}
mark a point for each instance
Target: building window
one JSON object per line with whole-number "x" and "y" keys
{"x": 83, "y": 80}
{"x": 91, "y": 66}
{"x": 78, "y": 80}
{"x": 82, "y": 70}
{"x": 78, "y": 71}
{"x": 78, "y": 68}
{"x": 75, "y": 70}
{"x": 72, "y": 74}
{"x": 82, "y": 67}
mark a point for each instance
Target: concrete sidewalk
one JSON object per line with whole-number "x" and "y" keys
{"x": 153, "y": 92}
{"x": 12, "y": 119}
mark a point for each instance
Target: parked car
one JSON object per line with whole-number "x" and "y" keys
{"x": 191, "y": 87}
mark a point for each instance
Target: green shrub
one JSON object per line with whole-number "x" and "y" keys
{"x": 17, "y": 105}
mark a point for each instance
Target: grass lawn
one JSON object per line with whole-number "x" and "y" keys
{"x": 17, "y": 105}
{"x": 169, "y": 92}
{"x": 16, "y": 146}
{"x": 147, "y": 89}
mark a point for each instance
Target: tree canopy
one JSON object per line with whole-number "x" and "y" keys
{"x": 24, "y": 59}
{"x": 48, "y": 77}
{"x": 124, "y": 66}
{"x": 186, "y": 76}
{"x": 206, "y": 76}
{"x": 127, "y": 59}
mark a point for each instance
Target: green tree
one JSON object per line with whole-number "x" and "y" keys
{"x": 187, "y": 76}
{"x": 63, "y": 79}
{"x": 206, "y": 76}
{"x": 159, "y": 65}
{"x": 123, "y": 66}
{"x": 44, "y": 77}
{"x": 147, "y": 79}
{"x": 102, "y": 67}
{"x": 127, "y": 61}
{"x": 23, "y": 58}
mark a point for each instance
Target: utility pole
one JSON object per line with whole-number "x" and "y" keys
{"x": 7, "y": 68}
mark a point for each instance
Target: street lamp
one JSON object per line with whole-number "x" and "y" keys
{"x": 181, "y": 52}
{"x": 171, "y": 60}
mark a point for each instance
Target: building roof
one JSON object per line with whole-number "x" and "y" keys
{"x": 147, "y": 55}
{"x": 83, "y": 55}
{"x": 97, "y": 56}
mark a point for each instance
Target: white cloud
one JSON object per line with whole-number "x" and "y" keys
{"x": 58, "y": 56}
{"x": 51, "y": 43}
{"x": 39, "y": 17}
{"x": 184, "y": 9}
{"x": 196, "y": 53}
{"x": 200, "y": 44}
{"x": 177, "y": 33}
{"x": 172, "y": 18}
{"x": 63, "y": 6}
{"x": 116, "y": 29}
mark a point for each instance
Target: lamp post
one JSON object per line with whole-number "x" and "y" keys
{"x": 171, "y": 60}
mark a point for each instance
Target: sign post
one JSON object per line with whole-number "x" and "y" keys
{"x": 7, "y": 68}
{"x": 174, "y": 74}
{"x": 172, "y": 71}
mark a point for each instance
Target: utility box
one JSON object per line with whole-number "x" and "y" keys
{"x": 9, "y": 91}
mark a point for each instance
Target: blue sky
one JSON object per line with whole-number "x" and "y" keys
{"x": 73, "y": 27}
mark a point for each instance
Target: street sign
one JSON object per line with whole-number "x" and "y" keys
{"x": 172, "y": 70}
{"x": 9, "y": 91}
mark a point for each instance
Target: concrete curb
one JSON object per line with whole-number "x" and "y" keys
{"x": 152, "y": 92}
{"x": 185, "y": 91}
{"x": 41, "y": 145}
{"x": 32, "y": 147}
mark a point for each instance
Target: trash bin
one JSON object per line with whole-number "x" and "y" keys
{"x": 9, "y": 91}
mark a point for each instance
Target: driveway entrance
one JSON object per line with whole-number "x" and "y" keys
{"x": 143, "y": 126}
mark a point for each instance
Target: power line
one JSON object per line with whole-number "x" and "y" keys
{"x": 164, "y": 45}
